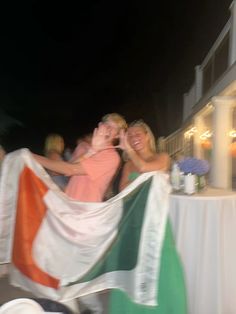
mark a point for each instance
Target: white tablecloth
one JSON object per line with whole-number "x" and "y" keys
{"x": 204, "y": 226}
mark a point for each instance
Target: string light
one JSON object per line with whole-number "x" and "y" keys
{"x": 205, "y": 135}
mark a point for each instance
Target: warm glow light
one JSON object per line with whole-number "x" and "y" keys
{"x": 207, "y": 134}
{"x": 188, "y": 134}
{"x": 232, "y": 133}
{"x": 206, "y": 144}
{"x": 232, "y": 149}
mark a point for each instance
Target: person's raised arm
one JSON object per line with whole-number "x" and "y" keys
{"x": 59, "y": 166}
{"x": 100, "y": 141}
{"x": 158, "y": 162}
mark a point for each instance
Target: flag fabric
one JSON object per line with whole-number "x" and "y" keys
{"x": 62, "y": 249}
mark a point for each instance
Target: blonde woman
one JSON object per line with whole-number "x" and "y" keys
{"x": 54, "y": 142}
{"x": 141, "y": 156}
{"x": 140, "y": 152}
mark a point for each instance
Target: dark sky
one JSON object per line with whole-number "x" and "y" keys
{"x": 59, "y": 60}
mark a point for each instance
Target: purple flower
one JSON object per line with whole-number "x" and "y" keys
{"x": 194, "y": 166}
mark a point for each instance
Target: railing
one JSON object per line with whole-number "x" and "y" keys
{"x": 214, "y": 76}
{"x": 178, "y": 143}
{"x": 213, "y": 66}
{"x": 189, "y": 101}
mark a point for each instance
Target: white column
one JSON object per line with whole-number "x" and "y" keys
{"x": 221, "y": 166}
{"x": 198, "y": 83}
{"x": 232, "y": 47}
{"x": 199, "y": 124}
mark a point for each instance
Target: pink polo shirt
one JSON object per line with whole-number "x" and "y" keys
{"x": 100, "y": 169}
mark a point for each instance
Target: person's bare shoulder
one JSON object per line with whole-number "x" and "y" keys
{"x": 164, "y": 158}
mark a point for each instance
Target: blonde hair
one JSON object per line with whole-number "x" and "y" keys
{"x": 54, "y": 142}
{"x": 117, "y": 118}
{"x": 141, "y": 124}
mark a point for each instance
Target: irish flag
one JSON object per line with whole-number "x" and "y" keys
{"x": 62, "y": 249}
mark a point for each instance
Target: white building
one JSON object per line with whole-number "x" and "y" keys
{"x": 209, "y": 111}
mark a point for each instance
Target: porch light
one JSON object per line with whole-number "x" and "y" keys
{"x": 232, "y": 133}
{"x": 188, "y": 134}
{"x": 206, "y": 135}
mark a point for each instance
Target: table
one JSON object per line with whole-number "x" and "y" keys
{"x": 204, "y": 227}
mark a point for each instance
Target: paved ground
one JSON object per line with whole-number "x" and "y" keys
{"x": 8, "y": 292}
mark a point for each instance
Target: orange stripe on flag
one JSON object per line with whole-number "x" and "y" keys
{"x": 30, "y": 213}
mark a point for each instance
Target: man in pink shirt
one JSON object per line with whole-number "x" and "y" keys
{"x": 92, "y": 173}
{"x": 100, "y": 169}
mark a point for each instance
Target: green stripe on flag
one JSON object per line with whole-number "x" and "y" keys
{"x": 123, "y": 253}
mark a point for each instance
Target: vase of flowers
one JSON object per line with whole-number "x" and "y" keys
{"x": 197, "y": 168}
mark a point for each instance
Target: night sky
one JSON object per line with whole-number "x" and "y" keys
{"x": 59, "y": 60}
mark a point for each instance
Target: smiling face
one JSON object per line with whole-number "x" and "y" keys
{"x": 137, "y": 138}
{"x": 140, "y": 137}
